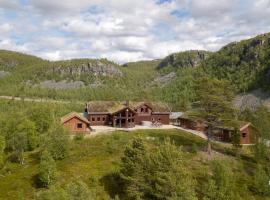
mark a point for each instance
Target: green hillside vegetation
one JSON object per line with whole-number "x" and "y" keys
{"x": 32, "y": 144}
{"x": 244, "y": 64}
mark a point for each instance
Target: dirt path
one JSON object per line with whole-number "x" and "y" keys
{"x": 39, "y": 100}
{"x": 98, "y": 130}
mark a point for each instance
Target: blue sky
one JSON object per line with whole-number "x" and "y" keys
{"x": 127, "y": 31}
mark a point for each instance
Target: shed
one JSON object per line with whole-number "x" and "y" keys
{"x": 76, "y": 122}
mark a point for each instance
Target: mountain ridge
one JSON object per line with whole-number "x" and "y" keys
{"x": 245, "y": 64}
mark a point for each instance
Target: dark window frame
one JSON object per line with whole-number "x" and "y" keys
{"x": 79, "y": 125}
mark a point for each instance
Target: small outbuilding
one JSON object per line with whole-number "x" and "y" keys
{"x": 225, "y": 133}
{"x": 188, "y": 122}
{"x": 220, "y": 133}
{"x": 76, "y": 122}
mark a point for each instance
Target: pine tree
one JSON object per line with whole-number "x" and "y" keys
{"x": 157, "y": 173}
{"x": 215, "y": 104}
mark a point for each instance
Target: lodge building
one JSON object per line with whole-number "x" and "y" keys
{"x": 116, "y": 114}
{"x": 126, "y": 114}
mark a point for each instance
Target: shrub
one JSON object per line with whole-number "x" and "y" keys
{"x": 79, "y": 136}
{"x": 47, "y": 169}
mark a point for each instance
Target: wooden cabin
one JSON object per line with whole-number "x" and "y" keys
{"x": 225, "y": 133}
{"x": 76, "y": 123}
{"x": 126, "y": 114}
{"x": 192, "y": 123}
{"x": 221, "y": 133}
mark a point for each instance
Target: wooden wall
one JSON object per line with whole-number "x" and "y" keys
{"x": 73, "y": 125}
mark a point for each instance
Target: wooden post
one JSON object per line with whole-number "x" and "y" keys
{"x": 114, "y": 121}
{"x": 126, "y": 120}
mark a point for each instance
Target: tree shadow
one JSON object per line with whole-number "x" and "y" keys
{"x": 113, "y": 184}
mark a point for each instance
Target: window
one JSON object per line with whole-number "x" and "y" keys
{"x": 153, "y": 119}
{"x": 159, "y": 119}
{"x": 93, "y": 119}
{"x": 146, "y": 109}
{"x": 98, "y": 119}
{"x": 141, "y": 109}
{"x": 79, "y": 125}
{"x": 104, "y": 119}
{"x": 244, "y": 135}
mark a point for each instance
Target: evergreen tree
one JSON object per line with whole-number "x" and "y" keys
{"x": 156, "y": 174}
{"x": 47, "y": 169}
{"x": 215, "y": 104}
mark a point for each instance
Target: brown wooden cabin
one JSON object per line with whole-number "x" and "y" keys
{"x": 76, "y": 122}
{"x": 223, "y": 133}
{"x": 188, "y": 122}
{"x": 126, "y": 114}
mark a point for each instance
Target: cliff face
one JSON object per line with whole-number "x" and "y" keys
{"x": 97, "y": 68}
{"x": 185, "y": 59}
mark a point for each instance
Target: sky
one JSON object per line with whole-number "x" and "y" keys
{"x": 127, "y": 30}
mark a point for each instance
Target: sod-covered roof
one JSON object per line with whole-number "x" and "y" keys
{"x": 228, "y": 125}
{"x": 235, "y": 124}
{"x": 71, "y": 115}
{"x": 114, "y": 106}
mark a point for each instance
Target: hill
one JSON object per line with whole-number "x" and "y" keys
{"x": 246, "y": 64}
{"x": 171, "y": 79}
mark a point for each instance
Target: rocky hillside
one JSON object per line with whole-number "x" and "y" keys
{"x": 191, "y": 58}
{"x": 245, "y": 64}
{"x": 101, "y": 67}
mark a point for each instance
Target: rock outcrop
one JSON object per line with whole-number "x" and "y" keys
{"x": 164, "y": 79}
{"x": 52, "y": 84}
{"x": 184, "y": 59}
{"x": 89, "y": 68}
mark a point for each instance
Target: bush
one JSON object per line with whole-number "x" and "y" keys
{"x": 261, "y": 181}
{"x": 79, "y": 136}
{"x": 194, "y": 148}
{"x": 47, "y": 169}
{"x": 57, "y": 142}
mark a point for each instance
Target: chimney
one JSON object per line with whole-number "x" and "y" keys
{"x": 85, "y": 114}
{"x": 127, "y": 103}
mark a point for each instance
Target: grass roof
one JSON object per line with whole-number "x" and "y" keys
{"x": 114, "y": 106}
